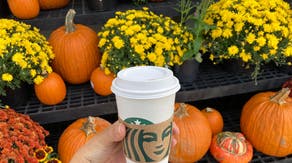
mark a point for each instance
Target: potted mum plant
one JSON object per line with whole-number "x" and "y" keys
{"x": 141, "y": 37}
{"x": 24, "y": 57}
{"x": 23, "y": 140}
{"x": 254, "y": 32}
{"x": 188, "y": 71}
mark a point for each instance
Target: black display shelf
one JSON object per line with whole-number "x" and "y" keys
{"x": 213, "y": 82}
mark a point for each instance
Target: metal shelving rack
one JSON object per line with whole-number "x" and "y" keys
{"x": 213, "y": 82}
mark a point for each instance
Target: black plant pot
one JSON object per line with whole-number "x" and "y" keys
{"x": 187, "y": 72}
{"x": 18, "y": 96}
{"x": 102, "y": 5}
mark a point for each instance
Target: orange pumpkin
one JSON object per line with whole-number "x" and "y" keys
{"x": 53, "y": 4}
{"x": 24, "y": 9}
{"x": 101, "y": 83}
{"x": 77, "y": 134}
{"x": 195, "y": 135}
{"x": 231, "y": 147}
{"x": 215, "y": 119}
{"x": 266, "y": 122}
{"x": 76, "y": 51}
{"x": 52, "y": 90}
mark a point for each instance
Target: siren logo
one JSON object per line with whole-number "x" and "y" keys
{"x": 147, "y": 142}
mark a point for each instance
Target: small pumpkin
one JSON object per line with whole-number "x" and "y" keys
{"x": 52, "y": 90}
{"x": 231, "y": 147}
{"x": 215, "y": 119}
{"x": 195, "y": 135}
{"x": 24, "y": 9}
{"x": 76, "y": 51}
{"x": 77, "y": 134}
{"x": 266, "y": 122}
{"x": 100, "y": 82}
{"x": 53, "y": 4}
{"x": 288, "y": 83}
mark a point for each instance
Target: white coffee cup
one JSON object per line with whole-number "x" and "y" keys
{"x": 145, "y": 97}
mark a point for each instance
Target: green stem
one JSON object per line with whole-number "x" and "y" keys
{"x": 69, "y": 24}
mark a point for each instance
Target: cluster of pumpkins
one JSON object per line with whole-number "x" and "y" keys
{"x": 76, "y": 61}
{"x": 265, "y": 123}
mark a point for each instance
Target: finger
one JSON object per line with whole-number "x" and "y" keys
{"x": 173, "y": 142}
{"x": 175, "y": 132}
{"x": 175, "y": 129}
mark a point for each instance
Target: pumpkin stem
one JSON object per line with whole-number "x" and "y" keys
{"x": 280, "y": 96}
{"x": 181, "y": 111}
{"x": 208, "y": 109}
{"x": 69, "y": 24}
{"x": 89, "y": 126}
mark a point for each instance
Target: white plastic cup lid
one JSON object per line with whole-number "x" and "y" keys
{"x": 145, "y": 82}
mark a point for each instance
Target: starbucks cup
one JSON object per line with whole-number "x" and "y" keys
{"x": 145, "y": 97}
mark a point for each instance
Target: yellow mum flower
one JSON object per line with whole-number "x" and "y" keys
{"x": 7, "y": 77}
{"x": 105, "y": 33}
{"x": 139, "y": 49}
{"x": 261, "y": 41}
{"x": 256, "y": 48}
{"x": 244, "y": 56}
{"x": 160, "y": 30}
{"x": 118, "y": 42}
{"x": 238, "y": 26}
{"x": 211, "y": 57}
{"x": 288, "y": 51}
{"x": 102, "y": 42}
{"x": 232, "y": 50}
{"x": 265, "y": 56}
{"x": 227, "y": 33}
{"x": 38, "y": 79}
{"x": 273, "y": 41}
{"x": 250, "y": 38}
{"x": 216, "y": 33}
{"x": 33, "y": 72}
{"x": 152, "y": 57}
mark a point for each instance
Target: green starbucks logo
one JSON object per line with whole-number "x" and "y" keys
{"x": 146, "y": 141}
{"x": 138, "y": 121}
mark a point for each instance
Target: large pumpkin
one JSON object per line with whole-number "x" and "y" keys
{"x": 77, "y": 134}
{"x": 24, "y": 9}
{"x": 195, "y": 135}
{"x": 52, "y": 90}
{"x": 266, "y": 122}
{"x": 76, "y": 51}
{"x": 53, "y": 4}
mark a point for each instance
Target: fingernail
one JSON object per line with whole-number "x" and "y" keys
{"x": 119, "y": 128}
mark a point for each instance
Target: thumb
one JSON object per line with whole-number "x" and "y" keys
{"x": 114, "y": 133}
